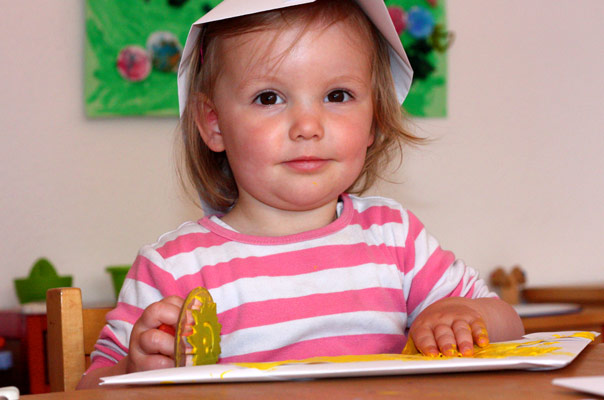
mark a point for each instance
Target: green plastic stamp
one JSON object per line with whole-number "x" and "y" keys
{"x": 198, "y": 331}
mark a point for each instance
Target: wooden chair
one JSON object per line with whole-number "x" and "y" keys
{"x": 72, "y": 333}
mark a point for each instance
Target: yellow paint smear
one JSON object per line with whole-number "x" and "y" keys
{"x": 494, "y": 350}
{"x": 587, "y": 335}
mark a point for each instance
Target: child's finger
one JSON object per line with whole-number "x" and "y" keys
{"x": 480, "y": 333}
{"x": 463, "y": 337}
{"x": 445, "y": 338}
{"x": 177, "y": 301}
{"x": 156, "y": 361}
{"x": 170, "y": 327}
{"x": 425, "y": 342}
{"x": 154, "y": 341}
{"x": 162, "y": 312}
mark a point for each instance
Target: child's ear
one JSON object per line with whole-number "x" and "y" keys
{"x": 206, "y": 119}
{"x": 371, "y": 138}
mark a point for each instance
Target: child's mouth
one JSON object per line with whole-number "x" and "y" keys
{"x": 306, "y": 164}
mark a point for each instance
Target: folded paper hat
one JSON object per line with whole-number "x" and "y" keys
{"x": 376, "y": 10}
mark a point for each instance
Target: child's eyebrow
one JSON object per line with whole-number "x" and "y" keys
{"x": 252, "y": 80}
{"x": 337, "y": 80}
{"x": 355, "y": 78}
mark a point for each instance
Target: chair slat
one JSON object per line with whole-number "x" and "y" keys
{"x": 72, "y": 332}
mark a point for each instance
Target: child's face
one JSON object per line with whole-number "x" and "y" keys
{"x": 295, "y": 127}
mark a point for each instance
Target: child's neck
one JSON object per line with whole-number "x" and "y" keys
{"x": 268, "y": 221}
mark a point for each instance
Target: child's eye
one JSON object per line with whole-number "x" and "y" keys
{"x": 268, "y": 99}
{"x": 338, "y": 96}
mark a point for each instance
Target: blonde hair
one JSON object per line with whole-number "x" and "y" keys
{"x": 209, "y": 172}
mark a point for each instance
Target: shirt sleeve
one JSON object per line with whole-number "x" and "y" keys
{"x": 431, "y": 273}
{"x": 147, "y": 282}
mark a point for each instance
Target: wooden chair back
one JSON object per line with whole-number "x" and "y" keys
{"x": 72, "y": 333}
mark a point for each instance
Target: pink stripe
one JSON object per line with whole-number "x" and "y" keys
{"x": 125, "y": 312}
{"x": 291, "y": 263}
{"x": 325, "y": 347}
{"x": 470, "y": 294}
{"x": 457, "y": 291}
{"x": 408, "y": 253}
{"x": 109, "y": 351}
{"x": 425, "y": 279}
{"x": 377, "y": 215}
{"x": 280, "y": 310}
{"x": 145, "y": 271}
{"x": 98, "y": 362}
{"x": 415, "y": 226}
{"x": 190, "y": 242}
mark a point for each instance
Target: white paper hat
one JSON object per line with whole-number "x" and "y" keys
{"x": 376, "y": 10}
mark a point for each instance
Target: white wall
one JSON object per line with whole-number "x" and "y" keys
{"x": 515, "y": 175}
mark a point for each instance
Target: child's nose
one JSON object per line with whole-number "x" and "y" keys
{"x": 307, "y": 124}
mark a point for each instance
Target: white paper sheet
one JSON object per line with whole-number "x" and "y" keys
{"x": 570, "y": 346}
{"x": 587, "y": 384}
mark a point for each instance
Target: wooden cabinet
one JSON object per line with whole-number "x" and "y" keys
{"x": 26, "y": 338}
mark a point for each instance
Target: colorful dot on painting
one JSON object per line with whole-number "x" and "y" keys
{"x": 165, "y": 51}
{"x": 134, "y": 63}
{"x": 399, "y": 18}
{"x": 420, "y": 23}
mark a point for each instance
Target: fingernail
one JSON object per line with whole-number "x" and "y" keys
{"x": 431, "y": 352}
{"x": 450, "y": 351}
{"x": 482, "y": 341}
{"x": 467, "y": 352}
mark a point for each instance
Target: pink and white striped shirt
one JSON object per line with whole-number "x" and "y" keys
{"x": 351, "y": 287}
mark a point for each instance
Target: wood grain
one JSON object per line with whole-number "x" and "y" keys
{"x": 72, "y": 333}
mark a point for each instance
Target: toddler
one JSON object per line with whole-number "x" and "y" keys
{"x": 287, "y": 116}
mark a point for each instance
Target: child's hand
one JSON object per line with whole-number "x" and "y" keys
{"x": 449, "y": 326}
{"x": 150, "y": 346}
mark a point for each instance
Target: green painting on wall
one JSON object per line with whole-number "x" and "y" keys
{"x": 133, "y": 48}
{"x": 132, "y": 52}
{"x": 422, "y": 27}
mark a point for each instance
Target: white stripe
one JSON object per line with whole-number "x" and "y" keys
{"x": 425, "y": 245}
{"x": 422, "y": 253}
{"x": 275, "y": 336}
{"x": 481, "y": 289}
{"x": 392, "y": 234}
{"x": 122, "y": 331}
{"x": 364, "y": 203}
{"x": 110, "y": 344}
{"x": 262, "y": 288}
{"x": 97, "y": 353}
{"x": 139, "y": 294}
{"x": 188, "y": 263}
